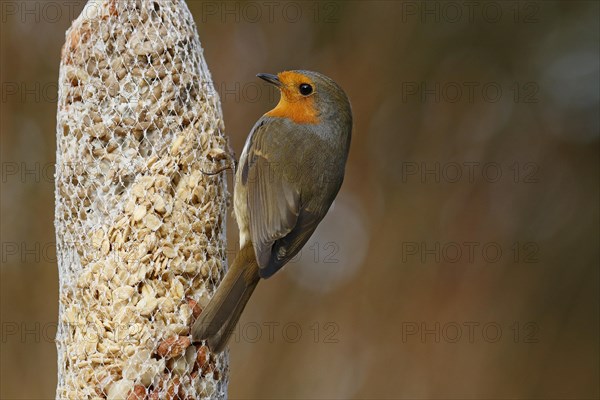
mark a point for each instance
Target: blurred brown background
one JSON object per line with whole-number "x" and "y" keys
{"x": 461, "y": 257}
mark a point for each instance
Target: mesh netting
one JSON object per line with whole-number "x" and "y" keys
{"x": 140, "y": 228}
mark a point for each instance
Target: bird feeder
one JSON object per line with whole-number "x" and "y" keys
{"x": 140, "y": 228}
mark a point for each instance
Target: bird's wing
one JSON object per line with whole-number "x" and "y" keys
{"x": 279, "y": 222}
{"x": 273, "y": 200}
{"x": 288, "y": 246}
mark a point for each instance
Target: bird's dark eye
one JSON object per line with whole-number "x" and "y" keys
{"x": 305, "y": 89}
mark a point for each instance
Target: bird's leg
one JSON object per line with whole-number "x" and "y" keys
{"x": 232, "y": 165}
{"x": 218, "y": 171}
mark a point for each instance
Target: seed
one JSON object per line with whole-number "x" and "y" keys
{"x": 139, "y": 212}
{"x": 173, "y": 346}
{"x": 152, "y": 222}
{"x": 169, "y": 251}
{"x": 146, "y": 305}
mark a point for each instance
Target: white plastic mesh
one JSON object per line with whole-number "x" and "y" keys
{"x": 140, "y": 229}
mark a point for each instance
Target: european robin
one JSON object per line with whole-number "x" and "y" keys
{"x": 289, "y": 173}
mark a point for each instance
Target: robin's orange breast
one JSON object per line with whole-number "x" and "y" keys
{"x": 301, "y": 111}
{"x": 293, "y": 105}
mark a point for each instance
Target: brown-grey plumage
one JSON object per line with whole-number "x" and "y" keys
{"x": 289, "y": 173}
{"x": 284, "y": 205}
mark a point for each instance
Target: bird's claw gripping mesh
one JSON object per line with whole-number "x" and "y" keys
{"x": 140, "y": 228}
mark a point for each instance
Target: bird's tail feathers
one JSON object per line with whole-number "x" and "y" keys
{"x": 217, "y": 321}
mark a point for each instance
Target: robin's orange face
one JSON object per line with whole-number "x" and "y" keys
{"x": 297, "y": 101}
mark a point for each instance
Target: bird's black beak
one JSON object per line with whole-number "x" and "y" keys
{"x": 272, "y": 79}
